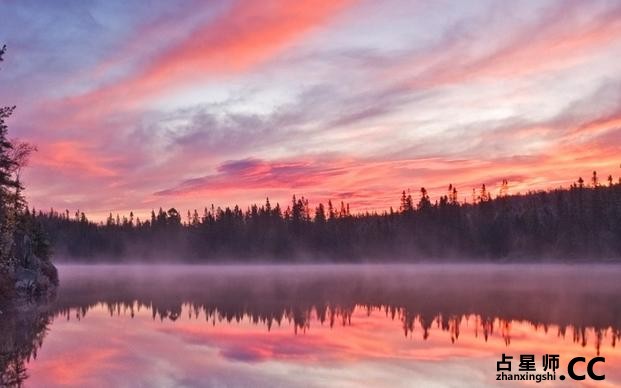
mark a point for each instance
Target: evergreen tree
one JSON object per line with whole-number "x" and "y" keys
{"x": 407, "y": 205}
{"x": 22, "y": 240}
{"x": 9, "y": 192}
{"x": 425, "y": 203}
{"x": 320, "y": 214}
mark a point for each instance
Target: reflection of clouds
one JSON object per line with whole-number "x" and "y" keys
{"x": 80, "y": 364}
{"x": 243, "y": 354}
{"x": 371, "y": 350}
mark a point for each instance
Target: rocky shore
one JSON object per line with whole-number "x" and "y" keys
{"x": 31, "y": 277}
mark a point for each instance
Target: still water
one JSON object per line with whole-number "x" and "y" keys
{"x": 312, "y": 326}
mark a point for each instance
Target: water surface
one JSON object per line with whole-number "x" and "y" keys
{"x": 324, "y": 325}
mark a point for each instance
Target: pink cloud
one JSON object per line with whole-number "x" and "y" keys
{"x": 246, "y": 35}
{"x": 559, "y": 39}
{"x": 106, "y": 137}
{"x": 74, "y": 157}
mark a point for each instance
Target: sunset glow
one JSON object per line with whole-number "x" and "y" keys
{"x": 141, "y": 105}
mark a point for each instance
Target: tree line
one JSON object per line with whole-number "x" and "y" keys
{"x": 576, "y": 223}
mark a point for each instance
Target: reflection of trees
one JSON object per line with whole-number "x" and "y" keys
{"x": 301, "y": 319}
{"x": 580, "y": 304}
{"x": 421, "y": 299}
{"x": 22, "y": 330}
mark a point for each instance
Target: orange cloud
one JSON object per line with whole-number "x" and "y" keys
{"x": 376, "y": 184}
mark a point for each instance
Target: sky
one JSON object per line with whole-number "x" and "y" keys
{"x": 148, "y": 104}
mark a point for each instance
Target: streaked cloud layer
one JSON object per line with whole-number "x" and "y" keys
{"x": 188, "y": 103}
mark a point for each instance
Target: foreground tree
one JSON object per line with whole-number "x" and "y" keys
{"x": 24, "y": 253}
{"x": 7, "y": 184}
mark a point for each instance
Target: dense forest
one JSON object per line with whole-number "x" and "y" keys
{"x": 582, "y": 222}
{"x": 24, "y": 249}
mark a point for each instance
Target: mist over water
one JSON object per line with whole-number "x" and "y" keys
{"x": 191, "y": 325}
{"x": 579, "y": 295}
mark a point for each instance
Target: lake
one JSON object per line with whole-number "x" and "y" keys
{"x": 312, "y": 325}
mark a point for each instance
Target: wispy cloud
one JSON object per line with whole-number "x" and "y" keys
{"x": 134, "y": 106}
